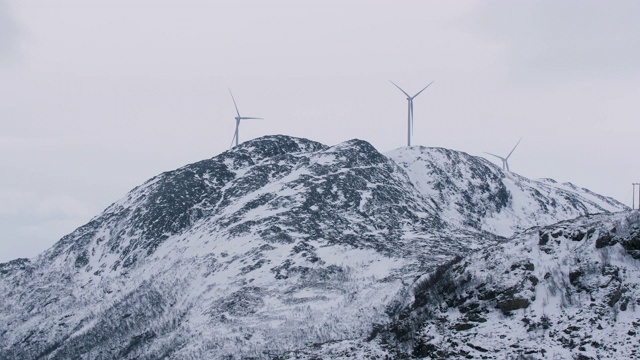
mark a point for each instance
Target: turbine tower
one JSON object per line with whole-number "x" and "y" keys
{"x": 505, "y": 163}
{"x": 410, "y": 110}
{"x": 238, "y": 118}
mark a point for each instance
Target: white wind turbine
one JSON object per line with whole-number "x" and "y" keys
{"x": 505, "y": 163}
{"x": 410, "y": 110}
{"x": 238, "y": 118}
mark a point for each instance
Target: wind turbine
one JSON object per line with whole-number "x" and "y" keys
{"x": 505, "y": 164}
{"x": 238, "y": 118}
{"x": 410, "y": 111}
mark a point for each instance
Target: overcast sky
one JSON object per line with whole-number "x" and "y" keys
{"x": 98, "y": 96}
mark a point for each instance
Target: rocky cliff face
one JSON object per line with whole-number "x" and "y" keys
{"x": 266, "y": 248}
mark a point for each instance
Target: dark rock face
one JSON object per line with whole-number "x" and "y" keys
{"x": 15, "y": 265}
{"x": 463, "y": 326}
{"x": 604, "y": 240}
{"x": 633, "y": 246}
{"x": 574, "y": 276}
{"x": 544, "y": 238}
{"x": 507, "y": 306}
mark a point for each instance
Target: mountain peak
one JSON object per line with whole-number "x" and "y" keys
{"x": 266, "y": 147}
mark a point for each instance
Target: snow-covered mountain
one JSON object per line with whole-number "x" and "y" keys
{"x": 269, "y": 247}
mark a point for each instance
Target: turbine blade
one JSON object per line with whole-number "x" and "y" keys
{"x": 404, "y": 92}
{"x": 234, "y": 102}
{"x": 254, "y": 118}
{"x": 422, "y": 89}
{"x": 499, "y": 157}
{"x": 514, "y": 148}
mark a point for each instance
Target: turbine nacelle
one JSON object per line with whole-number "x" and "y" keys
{"x": 238, "y": 119}
{"x": 505, "y": 162}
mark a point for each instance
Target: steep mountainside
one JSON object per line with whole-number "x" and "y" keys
{"x": 266, "y": 248}
{"x": 568, "y": 291}
{"x": 472, "y": 191}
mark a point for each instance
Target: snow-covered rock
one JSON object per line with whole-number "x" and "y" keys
{"x": 471, "y": 191}
{"x": 269, "y": 247}
{"x": 568, "y": 291}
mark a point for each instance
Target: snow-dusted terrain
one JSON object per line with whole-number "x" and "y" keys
{"x": 471, "y": 191}
{"x": 566, "y": 291}
{"x": 273, "y": 246}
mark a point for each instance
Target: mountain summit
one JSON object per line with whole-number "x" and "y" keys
{"x": 272, "y": 246}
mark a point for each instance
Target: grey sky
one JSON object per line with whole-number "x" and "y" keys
{"x": 9, "y": 34}
{"x": 567, "y": 40}
{"x": 101, "y": 95}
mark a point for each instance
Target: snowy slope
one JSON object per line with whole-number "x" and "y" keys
{"x": 472, "y": 191}
{"x": 566, "y": 291}
{"x": 266, "y": 248}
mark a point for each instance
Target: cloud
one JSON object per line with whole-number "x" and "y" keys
{"x": 9, "y": 33}
{"x": 575, "y": 39}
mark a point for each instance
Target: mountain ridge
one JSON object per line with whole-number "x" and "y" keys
{"x": 270, "y": 246}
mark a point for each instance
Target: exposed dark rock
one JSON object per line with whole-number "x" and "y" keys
{"x": 544, "y": 238}
{"x": 632, "y": 246}
{"x": 577, "y": 235}
{"x": 614, "y": 297}
{"x": 82, "y": 259}
{"x": 476, "y": 347}
{"x": 463, "y": 326}
{"x": 507, "y": 306}
{"x": 571, "y": 329}
{"x": 557, "y": 233}
{"x": 528, "y": 266}
{"x": 475, "y": 317}
{"x": 424, "y": 350}
{"x": 623, "y": 304}
{"x": 14, "y": 265}
{"x": 574, "y": 276}
{"x": 605, "y": 240}
{"x": 465, "y": 308}
{"x": 487, "y": 295}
